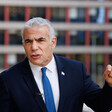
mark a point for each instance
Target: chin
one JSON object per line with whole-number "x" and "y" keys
{"x": 37, "y": 63}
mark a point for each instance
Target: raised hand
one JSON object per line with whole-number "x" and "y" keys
{"x": 108, "y": 75}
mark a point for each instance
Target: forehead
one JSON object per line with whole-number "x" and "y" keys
{"x": 37, "y": 30}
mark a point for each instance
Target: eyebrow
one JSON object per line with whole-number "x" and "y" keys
{"x": 27, "y": 40}
{"x": 37, "y": 39}
{"x": 41, "y": 38}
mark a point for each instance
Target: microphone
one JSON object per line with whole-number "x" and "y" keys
{"x": 37, "y": 94}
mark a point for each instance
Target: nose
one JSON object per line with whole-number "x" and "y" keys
{"x": 34, "y": 46}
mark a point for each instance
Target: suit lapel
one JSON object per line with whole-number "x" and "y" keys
{"x": 61, "y": 78}
{"x": 30, "y": 81}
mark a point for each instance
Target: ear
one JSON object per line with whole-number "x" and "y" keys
{"x": 54, "y": 41}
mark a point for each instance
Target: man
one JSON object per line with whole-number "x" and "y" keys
{"x": 22, "y": 87}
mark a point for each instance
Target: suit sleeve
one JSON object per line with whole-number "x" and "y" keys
{"x": 4, "y": 97}
{"x": 99, "y": 99}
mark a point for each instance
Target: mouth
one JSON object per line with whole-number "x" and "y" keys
{"x": 36, "y": 56}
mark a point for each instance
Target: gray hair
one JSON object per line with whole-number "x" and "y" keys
{"x": 38, "y": 21}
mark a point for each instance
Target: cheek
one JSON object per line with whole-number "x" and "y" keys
{"x": 49, "y": 50}
{"x": 27, "y": 50}
{"x": 46, "y": 50}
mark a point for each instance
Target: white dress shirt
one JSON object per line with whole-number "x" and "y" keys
{"x": 52, "y": 75}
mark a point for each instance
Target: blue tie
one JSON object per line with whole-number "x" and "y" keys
{"x": 49, "y": 100}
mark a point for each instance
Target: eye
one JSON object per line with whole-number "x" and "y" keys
{"x": 41, "y": 39}
{"x": 28, "y": 41}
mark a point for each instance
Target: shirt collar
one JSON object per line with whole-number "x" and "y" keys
{"x": 52, "y": 65}
{"x": 35, "y": 67}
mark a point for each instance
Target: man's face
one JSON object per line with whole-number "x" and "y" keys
{"x": 37, "y": 45}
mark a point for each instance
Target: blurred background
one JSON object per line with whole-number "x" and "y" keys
{"x": 83, "y": 29}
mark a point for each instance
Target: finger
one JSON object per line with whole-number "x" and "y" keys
{"x": 108, "y": 70}
{"x": 110, "y": 75}
{"x": 109, "y": 67}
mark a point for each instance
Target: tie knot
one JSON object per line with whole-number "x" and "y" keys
{"x": 43, "y": 69}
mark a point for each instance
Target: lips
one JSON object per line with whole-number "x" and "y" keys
{"x": 35, "y": 56}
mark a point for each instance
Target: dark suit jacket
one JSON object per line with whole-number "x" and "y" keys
{"x": 19, "y": 92}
